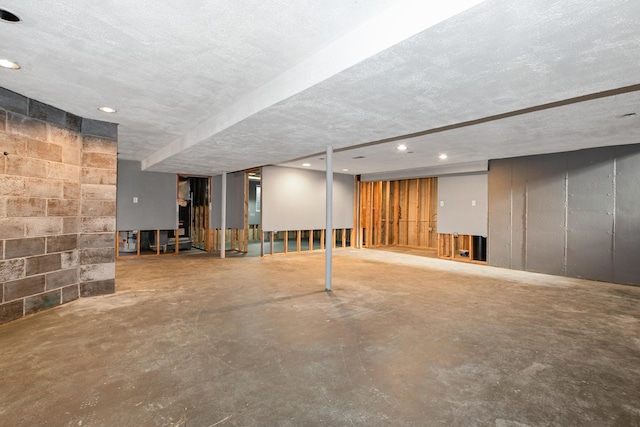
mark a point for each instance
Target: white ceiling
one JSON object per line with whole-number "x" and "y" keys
{"x": 203, "y": 86}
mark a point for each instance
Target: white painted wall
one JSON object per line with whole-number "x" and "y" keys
{"x": 463, "y": 204}
{"x": 294, "y": 199}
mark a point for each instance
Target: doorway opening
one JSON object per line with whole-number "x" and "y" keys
{"x": 194, "y": 211}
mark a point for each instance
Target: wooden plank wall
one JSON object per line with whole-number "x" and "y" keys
{"x": 399, "y": 213}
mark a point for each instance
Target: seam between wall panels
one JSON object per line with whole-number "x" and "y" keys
{"x": 613, "y": 213}
{"x": 511, "y": 218}
{"x": 566, "y": 220}
{"x": 526, "y": 223}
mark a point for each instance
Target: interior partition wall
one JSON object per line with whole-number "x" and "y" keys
{"x": 293, "y": 210}
{"x": 575, "y": 214}
{"x": 236, "y": 213}
{"x": 147, "y": 211}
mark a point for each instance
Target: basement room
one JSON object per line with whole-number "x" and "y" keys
{"x": 337, "y": 213}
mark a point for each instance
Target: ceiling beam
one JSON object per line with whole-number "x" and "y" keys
{"x": 403, "y": 20}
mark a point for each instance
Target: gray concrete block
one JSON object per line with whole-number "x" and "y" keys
{"x": 24, "y": 287}
{"x": 94, "y": 272}
{"x": 14, "y": 102}
{"x": 42, "y": 302}
{"x": 99, "y": 287}
{"x": 60, "y": 279}
{"x": 43, "y": 264}
{"x": 19, "y": 248}
{"x": 70, "y": 259}
{"x": 97, "y": 240}
{"x": 73, "y": 122}
{"x": 11, "y": 311}
{"x": 70, "y": 293}
{"x": 42, "y": 226}
{"x": 97, "y": 256}
{"x": 99, "y": 128}
{"x": 62, "y": 243}
{"x": 12, "y": 227}
{"x": 11, "y": 270}
{"x": 97, "y": 224}
{"x": 47, "y": 113}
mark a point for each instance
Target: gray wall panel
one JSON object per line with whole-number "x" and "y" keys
{"x": 456, "y": 212}
{"x": 545, "y": 220}
{"x": 157, "y": 202}
{"x": 499, "y": 243}
{"x": 294, "y": 199}
{"x": 590, "y": 215}
{"x": 577, "y": 213}
{"x": 626, "y": 268}
{"x": 518, "y": 213}
{"x": 235, "y": 201}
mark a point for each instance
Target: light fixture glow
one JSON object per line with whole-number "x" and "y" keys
{"x": 402, "y": 147}
{"x": 5, "y": 63}
{"x": 306, "y": 165}
{"x": 345, "y": 170}
{"x": 442, "y": 156}
{"x": 107, "y": 110}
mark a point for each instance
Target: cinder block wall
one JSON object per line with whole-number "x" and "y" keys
{"x": 58, "y": 177}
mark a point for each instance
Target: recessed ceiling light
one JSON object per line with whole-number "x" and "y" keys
{"x": 402, "y": 147}
{"x": 107, "y": 110}
{"x": 442, "y": 156}
{"x": 7, "y": 16}
{"x": 306, "y": 165}
{"x": 5, "y": 63}
{"x": 345, "y": 170}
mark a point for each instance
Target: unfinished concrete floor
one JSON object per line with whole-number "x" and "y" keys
{"x": 403, "y": 340}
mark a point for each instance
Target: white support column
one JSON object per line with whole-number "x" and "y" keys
{"x": 328, "y": 235}
{"x": 223, "y": 217}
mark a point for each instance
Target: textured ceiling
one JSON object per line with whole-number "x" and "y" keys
{"x": 207, "y": 86}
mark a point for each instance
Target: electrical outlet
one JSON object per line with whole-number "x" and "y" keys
{"x": 473, "y": 203}
{"x": 135, "y": 199}
{"x": 441, "y": 203}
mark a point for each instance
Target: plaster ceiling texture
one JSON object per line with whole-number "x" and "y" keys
{"x": 223, "y": 85}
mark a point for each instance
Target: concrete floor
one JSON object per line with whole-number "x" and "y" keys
{"x": 402, "y": 340}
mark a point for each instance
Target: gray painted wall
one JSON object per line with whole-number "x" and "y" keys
{"x": 294, "y": 199}
{"x": 235, "y": 201}
{"x": 463, "y": 204}
{"x": 575, "y": 214}
{"x": 157, "y": 202}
